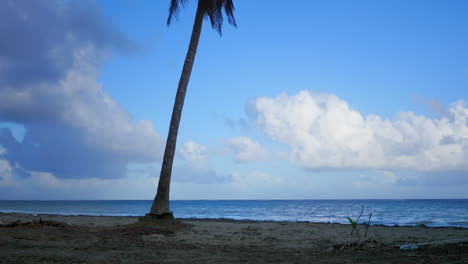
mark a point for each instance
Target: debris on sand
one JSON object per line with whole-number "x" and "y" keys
{"x": 34, "y": 223}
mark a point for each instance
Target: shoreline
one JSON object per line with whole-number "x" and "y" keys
{"x": 403, "y": 212}
{"x": 125, "y": 239}
{"x": 52, "y": 216}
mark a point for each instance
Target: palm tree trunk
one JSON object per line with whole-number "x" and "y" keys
{"x": 160, "y": 207}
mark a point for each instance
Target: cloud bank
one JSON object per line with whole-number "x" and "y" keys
{"x": 245, "y": 149}
{"x": 196, "y": 168}
{"x": 323, "y": 132}
{"x": 49, "y": 67}
{"x": 195, "y": 154}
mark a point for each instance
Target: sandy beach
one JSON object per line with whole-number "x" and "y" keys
{"x": 26, "y": 238}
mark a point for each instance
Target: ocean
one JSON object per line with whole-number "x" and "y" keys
{"x": 446, "y": 212}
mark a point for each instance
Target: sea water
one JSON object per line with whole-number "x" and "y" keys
{"x": 447, "y": 212}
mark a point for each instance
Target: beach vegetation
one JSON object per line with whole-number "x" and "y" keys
{"x": 354, "y": 223}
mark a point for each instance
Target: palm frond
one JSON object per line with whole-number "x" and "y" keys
{"x": 212, "y": 9}
{"x": 174, "y": 8}
{"x": 229, "y": 10}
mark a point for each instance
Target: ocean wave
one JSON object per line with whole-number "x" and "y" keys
{"x": 385, "y": 212}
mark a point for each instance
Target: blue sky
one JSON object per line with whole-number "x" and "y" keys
{"x": 317, "y": 100}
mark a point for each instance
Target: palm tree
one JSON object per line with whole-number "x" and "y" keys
{"x": 211, "y": 9}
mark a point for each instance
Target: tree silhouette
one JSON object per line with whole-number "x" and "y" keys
{"x": 213, "y": 10}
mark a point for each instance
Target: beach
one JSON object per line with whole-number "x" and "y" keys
{"x": 42, "y": 238}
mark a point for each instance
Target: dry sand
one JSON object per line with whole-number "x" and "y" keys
{"x": 92, "y": 239}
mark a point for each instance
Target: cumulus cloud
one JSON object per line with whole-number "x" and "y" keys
{"x": 49, "y": 67}
{"x": 195, "y": 154}
{"x": 196, "y": 169}
{"x": 245, "y": 149}
{"x": 5, "y": 173}
{"x": 322, "y": 131}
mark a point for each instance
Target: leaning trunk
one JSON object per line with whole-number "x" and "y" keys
{"x": 160, "y": 207}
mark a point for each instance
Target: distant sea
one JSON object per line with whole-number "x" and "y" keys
{"x": 448, "y": 212}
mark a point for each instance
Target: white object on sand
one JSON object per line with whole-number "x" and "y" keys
{"x": 407, "y": 247}
{"x": 453, "y": 241}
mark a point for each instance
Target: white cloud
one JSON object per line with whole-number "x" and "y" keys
{"x": 245, "y": 149}
{"x": 6, "y": 173}
{"x": 49, "y": 85}
{"x": 43, "y": 185}
{"x": 322, "y": 131}
{"x": 195, "y": 154}
{"x": 197, "y": 169}
{"x": 76, "y": 123}
{"x": 105, "y": 124}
